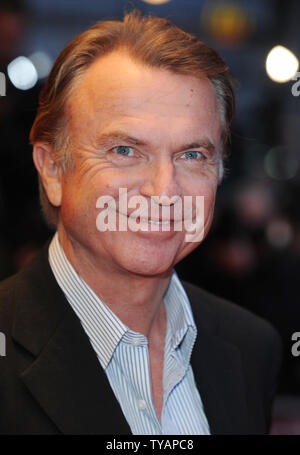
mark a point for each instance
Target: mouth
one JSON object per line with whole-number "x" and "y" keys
{"x": 144, "y": 224}
{"x": 145, "y": 219}
{"x": 151, "y": 221}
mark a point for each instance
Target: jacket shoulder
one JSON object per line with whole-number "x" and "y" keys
{"x": 7, "y": 288}
{"x": 31, "y": 282}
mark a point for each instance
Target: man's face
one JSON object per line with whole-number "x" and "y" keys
{"x": 132, "y": 127}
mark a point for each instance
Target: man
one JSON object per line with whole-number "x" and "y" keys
{"x": 101, "y": 337}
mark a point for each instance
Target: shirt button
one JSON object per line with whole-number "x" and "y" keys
{"x": 142, "y": 405}
{"x": 136, "y": 342}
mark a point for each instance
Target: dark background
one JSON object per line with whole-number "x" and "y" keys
{"x": 252, "y": 254}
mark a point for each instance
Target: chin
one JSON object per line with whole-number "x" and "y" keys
{"x": 147, "y": 257}
{"x": 147, "y": 267}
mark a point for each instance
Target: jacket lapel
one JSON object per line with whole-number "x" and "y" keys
{"x": 65, "y": 376}
{"x": 218, "y": 372}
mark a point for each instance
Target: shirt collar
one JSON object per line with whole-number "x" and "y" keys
{"x": 102, "y": 326}
{"x": 181, "y": 325}
{"x": 104, "y": 329}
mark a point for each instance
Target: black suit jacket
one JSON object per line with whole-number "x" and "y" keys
{"x": 51, "y": 380}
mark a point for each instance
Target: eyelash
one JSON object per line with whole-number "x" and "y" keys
{"x": 200, "y": 154}
{"x": 119, "y": 146}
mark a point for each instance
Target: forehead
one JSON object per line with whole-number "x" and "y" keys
{"x": 117, "y": 89}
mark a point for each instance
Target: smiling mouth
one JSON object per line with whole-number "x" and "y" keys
{"x": 157, "y": 222}
{"x": 145, "y": 219}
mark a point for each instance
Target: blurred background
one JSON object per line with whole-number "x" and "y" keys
{"x": 252, "y": 254}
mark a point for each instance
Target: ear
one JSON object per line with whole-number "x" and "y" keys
{"x": 49, "y": 170}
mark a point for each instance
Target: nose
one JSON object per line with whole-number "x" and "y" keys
{"x": 160, "y": 180}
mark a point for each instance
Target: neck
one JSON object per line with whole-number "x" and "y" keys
{"x": 135, "y": 299}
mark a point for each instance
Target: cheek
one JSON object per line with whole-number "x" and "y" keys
{"x": 77, "y": 201}
{"x": 210, "y": 197}
{"x": 207, "y": 192}
{"x": 206, "y": 188}
{"x": 209, "y": 206}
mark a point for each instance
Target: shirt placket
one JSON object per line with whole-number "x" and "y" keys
{"x": 141, "y": 382}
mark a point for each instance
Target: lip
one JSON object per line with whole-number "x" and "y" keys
{"x": 154, "y": 227}
{"x": 154, "y": 220}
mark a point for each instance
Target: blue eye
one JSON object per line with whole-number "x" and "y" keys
{"x": 193, "y": 155}
{"x": 124, "y": 150}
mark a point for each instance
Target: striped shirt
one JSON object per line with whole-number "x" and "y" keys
{"x": 124, "y": 356}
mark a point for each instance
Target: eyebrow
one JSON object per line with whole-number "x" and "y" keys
{"x": 108, "y": 138}
{"x": 206, "y": 143}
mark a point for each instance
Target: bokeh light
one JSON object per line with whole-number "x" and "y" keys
{"x": 42, "y": 63}
{"x": 279, "y": 165}
{"x": 281, "y": 64}
{"x": 156, "y": 2}
{"x": 22, "y": 73}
